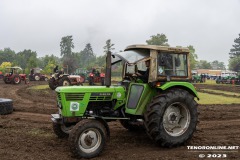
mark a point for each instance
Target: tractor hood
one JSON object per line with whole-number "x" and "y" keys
{"x": 112, "y": 92}
{"x": 75, "y": 89}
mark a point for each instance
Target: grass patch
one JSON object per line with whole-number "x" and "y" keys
{"x": 39, "y": 87}
{"x": 223, "y": 92}
{"x": 35, "y": 132}
{"x": 206, "y": 98}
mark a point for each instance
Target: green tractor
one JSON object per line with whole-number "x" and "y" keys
{"x": 164, "y": 106}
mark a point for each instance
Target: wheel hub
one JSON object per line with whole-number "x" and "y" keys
{"x": 176, "y": 119}
{"x": 88, "y": 139}
{"x": 173, "y": 118}
{"x": 65, "y": 83}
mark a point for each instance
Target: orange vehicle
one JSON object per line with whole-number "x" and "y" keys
{"x": 96, "y": 76}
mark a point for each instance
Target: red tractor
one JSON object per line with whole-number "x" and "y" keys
{"x": 13, "y": 75}
{"x": 96, "y": 76}
{"x": 61, "y": 79}
{"x": 35, "y": 75}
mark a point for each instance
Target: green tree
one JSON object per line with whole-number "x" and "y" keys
{"x": 25, "y": 59}
{"x": 108, "y": 47}
{"x": 87, "y": 56}
{"x": 234, "y": 61}
{"x": 159, "y": 39}
{"x": 203, "y": 64}
{"x": 218, "y": 65}
{"x": 48, "y": 69}
{"x": 68, "y": 58}
{"x": 193, "y": 57}
{"x": 7, "y": 55}
{"x": 235, "y": 51}
{"x": 234, "y": 64}
{"x": 66, "y": 46}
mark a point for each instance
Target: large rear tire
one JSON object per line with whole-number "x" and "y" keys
{"x": 37, "y": 77}
{"x": 52, "y": 83}
{"x": 7, "y": 80}
{"x": 87, "y": 138}
{"x": 91, "y": 79}
{"x": 64, "y": 81}
{"x": 6, "y": 106}
{"x": 171, "y": 118}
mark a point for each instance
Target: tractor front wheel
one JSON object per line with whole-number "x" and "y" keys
{"x": 171, "y": 118}
{"x": 16, "y": 80}
{"x": 87, "y": 138}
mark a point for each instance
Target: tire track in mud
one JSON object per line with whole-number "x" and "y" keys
{"x": 30, "y": 117}
{"x": 10, "y": 91}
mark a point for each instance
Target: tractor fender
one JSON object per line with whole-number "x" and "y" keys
{"x": 183, "y": 85}
{"x": 105, "y": 125}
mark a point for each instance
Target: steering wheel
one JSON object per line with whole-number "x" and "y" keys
{"x": 131, "y": 77}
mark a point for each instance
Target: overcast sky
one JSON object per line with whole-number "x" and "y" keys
{"x": 209, "y": 25}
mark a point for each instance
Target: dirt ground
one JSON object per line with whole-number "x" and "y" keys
{"x": 27, "y": 134}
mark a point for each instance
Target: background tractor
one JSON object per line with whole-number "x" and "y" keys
{"x": 164, "y": 106}
{"x": 35, "y": 75}
{"x": 61, "y": 79}
{"x": 12, "y": 75}
{"x": 83, "y": 72}
{"x": 97, "y": 75}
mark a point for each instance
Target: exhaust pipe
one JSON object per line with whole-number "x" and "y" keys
{"x": 108, "y": 70}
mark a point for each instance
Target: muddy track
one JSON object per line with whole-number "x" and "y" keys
{"x": 27, "y": 133}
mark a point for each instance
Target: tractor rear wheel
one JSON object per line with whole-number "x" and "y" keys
{"x": 52, "y": 83}
{"x": 171, "y": 118}
{"x": 62, "y": 130}
{"x": 16, "y": 80}
{"x": 6, "y": 106}
{"x": 37, "y": 77}
{"x": 82, "y": 79}
{"x": 64, "y": 81}
{"x": 6, "y": 80}
{"x": 87, "y": 138}
{"x": 91, "y": 81}
{"x": 102, "y": 81}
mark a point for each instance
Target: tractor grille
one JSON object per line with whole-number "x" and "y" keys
{"x": 74, "y": 96}
{"x": 59, "y": 96}
{"x": 100, "y": 98}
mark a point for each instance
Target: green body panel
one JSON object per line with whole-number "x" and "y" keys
{"x": 74, "y": 99}
{"x": 145, "y": 98}
{"x": 186, "y": 85}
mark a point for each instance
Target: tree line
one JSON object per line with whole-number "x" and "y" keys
{"x": 87, "y": 58}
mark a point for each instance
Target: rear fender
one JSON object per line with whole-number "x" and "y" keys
{"x": 184, "y": 85}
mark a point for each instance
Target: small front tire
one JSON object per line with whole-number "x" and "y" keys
{"x": 87, "y": 138}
